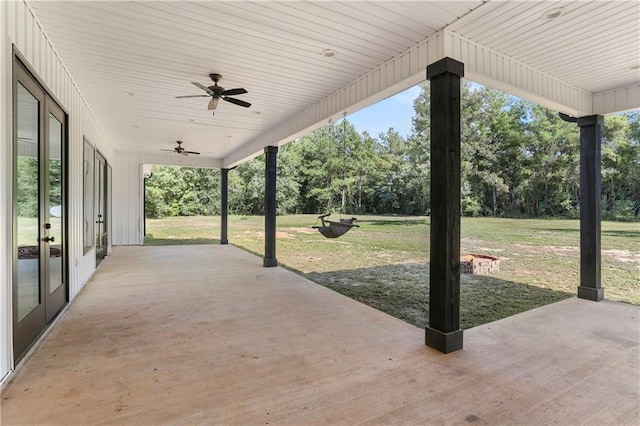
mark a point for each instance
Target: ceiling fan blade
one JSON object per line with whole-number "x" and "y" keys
{"x": 192, "y": 96}
{"x": 190, "y": 152}
{"x": 237, "y": 102}
{"x": 202, "y": 86}
{"x": 213, "y": 103}
{"x": 231, "y": 92}
{"x": 168, "y": 150}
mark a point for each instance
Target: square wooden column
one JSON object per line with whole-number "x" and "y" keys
{"x": 590, "y": 214}
{"x": 443, "y": 332}
{"x": 224, "y": 205}
{"x": 271, "y": 153}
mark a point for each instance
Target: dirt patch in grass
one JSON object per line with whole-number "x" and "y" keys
{"x": 622, "y": 255}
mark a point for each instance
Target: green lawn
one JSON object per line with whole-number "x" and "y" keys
{"x": 384, "y": 263}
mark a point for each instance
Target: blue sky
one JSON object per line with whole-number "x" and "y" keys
{"x": 395, "y": 111}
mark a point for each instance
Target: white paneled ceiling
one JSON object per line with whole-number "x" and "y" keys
{"x": 130, "y": 59}
{"x": 594, "y": 45}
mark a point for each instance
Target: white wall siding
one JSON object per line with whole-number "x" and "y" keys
{"x": 5, "y": 194}
{"x": 127, "y": 178}
{"x": 128, "y": 197}
{"x": 19, "y": 27}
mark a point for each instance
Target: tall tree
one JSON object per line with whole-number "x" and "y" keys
{"x": 621, "y": 166}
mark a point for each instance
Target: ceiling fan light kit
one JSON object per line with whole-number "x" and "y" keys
{"x": 217, "y": 92}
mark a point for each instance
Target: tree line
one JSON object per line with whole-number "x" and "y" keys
{"x": 519, "y": 159}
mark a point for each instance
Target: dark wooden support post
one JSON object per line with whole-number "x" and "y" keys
{"x": 224, "y": 205}
{"x": 271, "y": 153}
{"x": 590, "y": 215}
{"x": 443, "y": 332}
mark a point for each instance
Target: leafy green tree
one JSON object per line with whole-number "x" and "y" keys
{"x": 553, "y": 159}
{"x": 27, "y": 188}
{"x": 181, "y": 191}
{"x": 518, "y": 159}
{"x": 620, "y": 167}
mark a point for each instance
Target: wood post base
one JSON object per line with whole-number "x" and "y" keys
{"x": 444, "y": 342}
{"x": 590, "y": 293}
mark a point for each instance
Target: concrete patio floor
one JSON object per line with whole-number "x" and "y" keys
{"x": 205, "y": 334}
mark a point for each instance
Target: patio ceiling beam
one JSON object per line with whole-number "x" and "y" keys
{"x": 397, "y": 74}
{"x": 495, "y": 69}
{"x": 483, "y": 65}
{"x": 617, "y": 100}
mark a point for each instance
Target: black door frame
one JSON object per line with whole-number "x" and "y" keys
{"x": 27, "y": 331}
{"x": 102, "y": 216}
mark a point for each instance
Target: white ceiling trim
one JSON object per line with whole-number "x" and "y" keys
{"x": 169, "y": 159}
{"x": 492, "y": 68}
{"x": 617, "y": 100}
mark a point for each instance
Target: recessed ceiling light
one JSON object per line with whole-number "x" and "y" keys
{"x": 129, "y": 93}
{"x": 229, "y": 136}
{"x": 635, "y": 67}
{"x": 329, "y": 53}
{"x": 133, "y": 126}
{"x": 554, "y": 13}
{"x": 257, "y": 112}
{"x": 191, "y": 120}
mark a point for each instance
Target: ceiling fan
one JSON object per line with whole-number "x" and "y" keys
{"x": 180, "y": 150}
{"x": 216, "y": 92}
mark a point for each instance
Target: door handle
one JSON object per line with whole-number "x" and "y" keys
{"x": 49, "y": 239}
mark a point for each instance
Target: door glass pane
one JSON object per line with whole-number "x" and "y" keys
{"x": 55, "y": 203}
{"x": 98, "y": 204}
{"x": 27, "y": 203}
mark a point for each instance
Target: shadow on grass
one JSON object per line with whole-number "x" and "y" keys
{"x": 384, "y": 222}
{"x": 616, "y": 233}
{"x": 626, "y": 234}
{"x": 150, "y": 241}
{"x": 403, "y": 292}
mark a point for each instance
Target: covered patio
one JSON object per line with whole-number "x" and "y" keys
{"x": 205, "y": 334}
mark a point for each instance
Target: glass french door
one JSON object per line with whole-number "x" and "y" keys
{"x": 40, "y": 287}
{"x": 100, "y": 204}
